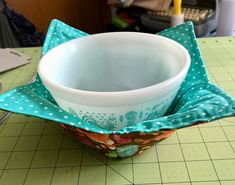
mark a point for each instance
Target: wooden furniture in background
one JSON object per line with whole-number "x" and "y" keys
{"x": 88, "y": 15}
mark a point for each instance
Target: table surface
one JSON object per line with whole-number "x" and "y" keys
{"x": 39, "y": 152}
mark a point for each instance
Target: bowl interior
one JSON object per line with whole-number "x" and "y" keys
{"x": 114, "y": 62}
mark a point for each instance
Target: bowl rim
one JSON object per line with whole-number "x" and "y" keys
{"x": 133, "y": 92}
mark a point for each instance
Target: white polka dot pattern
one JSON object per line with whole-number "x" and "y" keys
{"x": 197, "y": 99}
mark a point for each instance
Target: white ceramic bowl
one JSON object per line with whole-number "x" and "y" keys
{"x": 116, "y": 79}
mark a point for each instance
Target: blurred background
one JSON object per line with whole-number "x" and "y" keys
{"x": 26, "y": 21}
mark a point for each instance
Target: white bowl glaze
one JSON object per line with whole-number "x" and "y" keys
{"x": 115, "y": 79}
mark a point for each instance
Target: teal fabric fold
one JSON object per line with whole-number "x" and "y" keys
{"x": 198, "y": 100}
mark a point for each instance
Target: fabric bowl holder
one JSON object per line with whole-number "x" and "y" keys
{"x": 198, "y": 101}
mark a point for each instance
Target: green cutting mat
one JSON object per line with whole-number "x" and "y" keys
{"x": 38, "y": 152}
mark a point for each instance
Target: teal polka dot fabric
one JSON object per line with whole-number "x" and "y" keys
{"x": 198, "y": 100}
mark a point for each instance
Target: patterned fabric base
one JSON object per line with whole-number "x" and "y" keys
{"x": 118, "y": 145}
